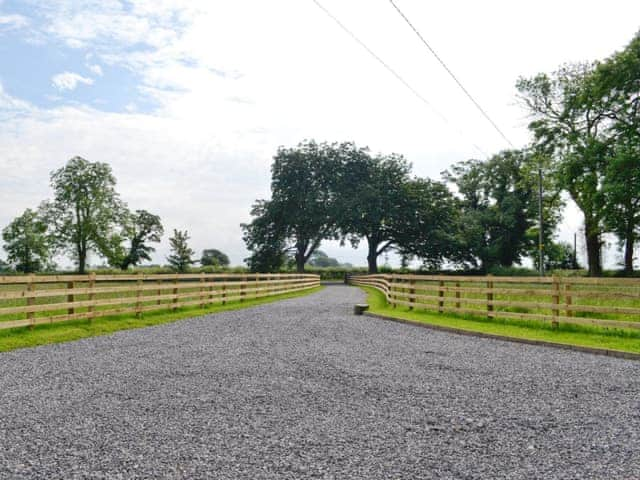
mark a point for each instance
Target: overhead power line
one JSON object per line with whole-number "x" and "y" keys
{"x": 444, "y": 65}
{"x": 395, "y": 74}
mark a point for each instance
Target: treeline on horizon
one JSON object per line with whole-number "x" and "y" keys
{"x": 481, "y": 215}
{"x": 86, "y": 214}
{"x": 586, "y": 142}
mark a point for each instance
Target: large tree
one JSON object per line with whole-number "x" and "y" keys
{"x": 371, "y": 201}
{"x": 299, "y": 214}
{"x": 617, "y": 80}
{"x": 85, "y": 209}
{"x": 130, "y": 245}
{"x": 430, "y": 222}
{"x": 499, "y": 208}
{"x": 26, "y": 242}
{"x": 570, "y": 116}
{"x": 265, "y": 239}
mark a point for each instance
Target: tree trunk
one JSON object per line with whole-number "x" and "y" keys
{"x": 594, "y": 248}
{"x": 300, "y": 261}
{"x": 372, "y": 256}
{"x": 82, "y": 259}
{"x": 628, "y": 253}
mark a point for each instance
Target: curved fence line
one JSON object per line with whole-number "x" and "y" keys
{"x": 612, "y": 303}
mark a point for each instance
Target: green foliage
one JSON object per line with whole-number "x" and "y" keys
{"x": 214, "y": 258}
{"x": 372, "y": 196}
{"x": 556, "y": 256}
{"x": 499, "y": 207}
{"x": 321, "y": 260}
{"x": 181, "y": 257}
{"x": 569, "y": 119}
{"x": 430, "y": 219}
{"x": 85, "y": 210}
{"x": 138, "y": 230}
{"x": 618, "y": 82}
{"x": 298, "y": 216}
{"x": 26, "y": 243}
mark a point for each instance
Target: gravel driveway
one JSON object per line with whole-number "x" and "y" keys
{"x": 303, "y": 389}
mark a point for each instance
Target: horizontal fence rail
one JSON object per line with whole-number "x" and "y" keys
{"x": 26, "y": 301}
{"x": 610, "y": 302}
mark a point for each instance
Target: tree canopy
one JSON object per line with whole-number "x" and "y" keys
{"x": 85, "y": 209}
{"x": 181, "y": 257}
{"x": 27, "y": 243}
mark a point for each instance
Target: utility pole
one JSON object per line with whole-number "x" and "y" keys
{"x": 540, "y": 245}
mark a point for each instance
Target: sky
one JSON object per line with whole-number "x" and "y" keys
{"x": 189, "y": 100}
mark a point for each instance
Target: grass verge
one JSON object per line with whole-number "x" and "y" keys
{"x": 624, "y": 340}
{"x": 12, "y": 339}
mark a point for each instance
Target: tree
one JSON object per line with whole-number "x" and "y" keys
{"x": 85, "y": 209}
{"x": 569, "y": 119}
{"x": 371, "y": 198}
{"x": 264, "y": 238}
{"x": 618, "y": 82}
{"x": 138, "y": 230}
{"x": 557, "y": 256}
{"x": 430, "y": 222}
{"x": 621, "y": 192}
{"x": 299, "y": 215}
{"x": 181, "y": 256}
{"x": 214, "y": 258}
{"x": 499, "y": 207}
{"x": 26, "y": 242}
{"x": 322, "y": 260}
{"x": 4, "y": 266}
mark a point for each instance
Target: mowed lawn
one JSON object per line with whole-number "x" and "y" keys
{"x": 622, "y": 339}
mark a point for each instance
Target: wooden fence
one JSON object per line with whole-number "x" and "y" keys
{"x": 611, "y": 302}
{"x": 26, "y": 301}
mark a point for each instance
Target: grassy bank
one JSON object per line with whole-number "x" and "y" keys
{"x": 626, "y": 340}
{"x": 73, "y": 330}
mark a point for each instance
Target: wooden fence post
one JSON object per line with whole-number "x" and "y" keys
{"x": 394, "y": 293}
{"x": 158, "y": 301}
{"x": 412, "y": 293}
{"x": 92, "y": 295}
{"x": 568, "y": 299}
{"x": 138, "y": 293}
{"x": 243, "y": 280}
{"x": 458, "y": 295}
{"x": 489, "y": 296}
{"x": 175, "y": 293}
{"x": 201, "y": 290}
{"x": 70, "y": 297}
{"x": 224, "y": 293}
{"x": 556, "y": 301}
{"x": 31, "y": 300}
{"x": 441, "y": 296}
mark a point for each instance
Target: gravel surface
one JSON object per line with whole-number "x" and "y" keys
{"x": 303, "y": 389}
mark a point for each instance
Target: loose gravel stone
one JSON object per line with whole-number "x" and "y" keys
{"x": 304, "y": 389}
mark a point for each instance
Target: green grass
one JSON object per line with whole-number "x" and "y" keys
{"x": 626, "y": 340}
{"x": 12, "y": 339}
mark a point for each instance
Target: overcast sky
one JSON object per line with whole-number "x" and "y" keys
{"x": 189, "y": 100}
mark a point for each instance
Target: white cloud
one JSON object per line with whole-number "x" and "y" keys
{"x": 232, "y": 87}
{"x": 12, "y": 22}
{"x": 95, "y": 69}
{"x": 69, "y": 81}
